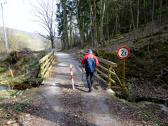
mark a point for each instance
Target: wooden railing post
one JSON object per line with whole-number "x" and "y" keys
{"x": 45, "y": 64}
{"x": 109, "y": 77}
{"x": 124, "y": 88}
{"x": 123, "y": 73}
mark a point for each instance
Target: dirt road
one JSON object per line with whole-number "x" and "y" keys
{"x": 63, "y": 106}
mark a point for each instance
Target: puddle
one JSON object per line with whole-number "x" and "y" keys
{"x": 4, "y": 88}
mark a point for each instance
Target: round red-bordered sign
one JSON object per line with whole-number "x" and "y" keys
{"x": 123, "y": 52}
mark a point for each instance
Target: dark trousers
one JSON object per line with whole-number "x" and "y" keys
{"x": 89, "y": 78}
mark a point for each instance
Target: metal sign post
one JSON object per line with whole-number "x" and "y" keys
{"x": 123, "y": 54}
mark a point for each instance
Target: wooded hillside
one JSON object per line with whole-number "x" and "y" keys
{"x": 96, "y": 22}
{"x": 19, "y": 39}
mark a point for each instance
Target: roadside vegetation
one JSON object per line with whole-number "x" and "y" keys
{"x": 19, "y": 68}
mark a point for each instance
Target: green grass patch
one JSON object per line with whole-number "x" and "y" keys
{"x": 17, "y": 107}
{"x": 2, "y": 69}
{"x": 10, "y": 93}
{"x": 145, "y": 115}
{"x": 21, "y": 107}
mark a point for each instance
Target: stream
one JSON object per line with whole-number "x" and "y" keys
{"x": 2, "y": 87}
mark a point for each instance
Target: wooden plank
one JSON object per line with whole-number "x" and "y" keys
{"x": 113, "y": 73}
{"x": 47, "y": 72}
{"x": 117, "y": 78}
{"x": 48, "y": 67}
{"x": 116, "y": 87}
{"x": 107, "y": 62}
{"x": 45, "y": 57}
{"x": 45, "y": 64}
{"x": 96, "y": 75}
{"x": 105, "y": 69}
{"x": 109, "y": 77}
{"x": 113, "y": 81}
{"x": 104, "y": 75}
{"x": 49, "y": 63}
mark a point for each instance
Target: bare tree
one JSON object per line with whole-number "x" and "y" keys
{"x": 45, "y": 12}
{"x": 65, "y": 23}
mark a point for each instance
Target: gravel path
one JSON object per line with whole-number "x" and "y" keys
{"x": 66, "y": 107}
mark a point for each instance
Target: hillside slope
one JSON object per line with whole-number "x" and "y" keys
{"x": 20, "y": 39}
{"x": 147, "y": 68}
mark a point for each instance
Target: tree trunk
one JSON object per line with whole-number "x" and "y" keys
{"x": 70, "y": 32}
{"x": 153, "y": 14}
{"x": 65, "y": 30}
{"x": 81, "y": 31}
{"x": 153, "y": 10}
{"x": 116, "y": 21}
{"x": 144, "y": 9}
{"x": 92, "y": 24}
{"x": 52, "y": 43}
{"x": 132, "y": 15}
{"x": 160, "y": 16}
{"x": 82, "y": 38}
{"x": 107, "y": 23}
{"x": 137, "y": 14}
{"x": 95, "y": 24}
{"x": 63, "y": 44}
{"x": 80, "y": 16}
{"x": 103, "y": 8}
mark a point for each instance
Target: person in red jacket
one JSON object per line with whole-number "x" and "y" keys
{"x": 90, "y": 61}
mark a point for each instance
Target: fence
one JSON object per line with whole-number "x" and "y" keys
{"x": 46, "y": 64}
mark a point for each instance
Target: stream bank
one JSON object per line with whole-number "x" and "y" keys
{"x": 19, "y": 70}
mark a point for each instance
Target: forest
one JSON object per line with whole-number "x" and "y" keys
{"x": 96, "y": 22}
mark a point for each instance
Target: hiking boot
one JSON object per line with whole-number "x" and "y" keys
{"x": 90, "y": 90}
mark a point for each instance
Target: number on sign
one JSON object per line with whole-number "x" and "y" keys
{"x": 123, "y": 52}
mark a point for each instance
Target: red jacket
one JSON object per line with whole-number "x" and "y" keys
{"x": 90, "y": 61}
{"x": 90, "y": 56}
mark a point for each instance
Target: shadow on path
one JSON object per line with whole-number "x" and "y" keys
{"x": 59, "y": 118}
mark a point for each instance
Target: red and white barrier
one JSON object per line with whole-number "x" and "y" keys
{"x": 72, "y": 77}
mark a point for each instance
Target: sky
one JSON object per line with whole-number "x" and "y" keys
{"x": 18, "y": 14}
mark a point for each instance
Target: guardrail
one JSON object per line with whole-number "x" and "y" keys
{"x": 46, "y": 64}
{"x": 106, "y": 73}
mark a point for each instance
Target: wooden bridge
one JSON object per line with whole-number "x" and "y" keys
{"x": 106, "y": 72}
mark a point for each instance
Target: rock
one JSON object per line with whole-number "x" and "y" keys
{"x": 11, "y": 122}
{"x": 27, "y": 115}
{"x": 111, "y": 92}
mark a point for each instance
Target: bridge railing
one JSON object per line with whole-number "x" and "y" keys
{"x": 106, "y": 72}
{"x": 46, "y": 64}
